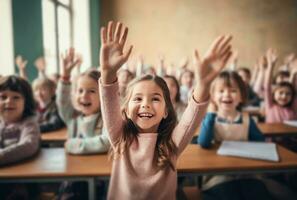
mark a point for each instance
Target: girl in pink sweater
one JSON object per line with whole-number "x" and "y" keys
{"x": 145, "y": 139}
{"x": 281, "y": 102}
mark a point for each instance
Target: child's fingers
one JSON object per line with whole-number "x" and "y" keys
{"x": 110, "y": 31}
{"x": 124, "y": 37}
{"x": 225, "y": 59}
{"x": 215, "y": 44}
{"x": 118, "y": 32}
{"x": 103, "y": 35}
{"x": 227, "y": 49}
{"x": 127, "y": 53}
{"x": 225, "y": 43}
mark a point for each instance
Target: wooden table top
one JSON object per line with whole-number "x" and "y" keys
{"x": 198, "y": 160}
{"x": 277, "y": 129}
{"x": 55, "y": 136}
{"x": 55, "y": 162}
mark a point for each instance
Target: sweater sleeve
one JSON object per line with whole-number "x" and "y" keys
{"x": 188, "y": 123}
{"x": 55, "y": 122}
{"x": 111, "y": 111}
{"x": 254, "y": 133}
{"x": 64, "y": 102}
{"x": 206, "y": 134}
{"x": 89, "y": 145}
{"x": 27, "y": 146}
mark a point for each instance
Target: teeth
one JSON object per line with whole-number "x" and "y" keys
{"x": 145, "y": 115}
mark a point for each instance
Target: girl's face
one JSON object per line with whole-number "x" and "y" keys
{"x": 187, "y": 79}
{"x": 282, "y": 96}
{"x": 172, "y": 88}
{"x": 11, "y": 106}
{"x": 43, "y": 94}
{"x": 146, "y": 106}
{"x": 87, "y": 95}
{"x": 226, "y": 98}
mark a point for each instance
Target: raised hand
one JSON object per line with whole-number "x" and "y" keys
{"x": 213, "y": 61}
{"x": 40, "y": 64}
{"x": 271, "y": 56}
{"x": 70, "y": 60}
{"x": 112, "y": 55}
{"x": 21, "y": 62}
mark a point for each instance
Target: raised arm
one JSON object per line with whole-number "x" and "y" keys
{"x": 259, "y": 79}
{"x": 206, "y": 69}
{"x": 112, "y": 57}
{"x": 293, "y": 73}
{"x": 271, "y": 60}
{"x": 64, "y": 104}
{"x": 21, "y": 63}
{"x": 40, "y": 66}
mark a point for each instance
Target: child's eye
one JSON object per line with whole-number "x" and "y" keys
{"x": 16, "y": 97}
{"x": 3, "y": 97}
{"x": 80, "y": 90}
{"x": 137, "y": 99}
{"x": 92, "y": 91}
{"x": 156, "y": 99}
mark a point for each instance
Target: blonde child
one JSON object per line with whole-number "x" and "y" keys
{"x": 147, "y": 142}
{"x": 226, "y": 122}
{"x": 47, "y": 112}
{"x": 84, "y": 125}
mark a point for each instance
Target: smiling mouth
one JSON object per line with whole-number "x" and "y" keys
{"x": 85, "y": 105}
{"x": 227, "y": 102}
{"x": 145, "y": 115}
{"x": 9, "y": 109}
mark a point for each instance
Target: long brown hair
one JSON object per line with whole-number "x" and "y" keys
{"x": 165, "y": 147}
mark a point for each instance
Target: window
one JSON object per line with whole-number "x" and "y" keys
{"x": 57, "y": 31}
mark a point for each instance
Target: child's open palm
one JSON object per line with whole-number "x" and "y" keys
{"x": 70, "y": 60}
{"x": 112, "y": 56}
{"x": 21, "y": 62}
{"x": 214, "y": 60}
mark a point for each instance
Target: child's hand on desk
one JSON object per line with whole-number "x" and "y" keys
{"x": 112, "y": 55}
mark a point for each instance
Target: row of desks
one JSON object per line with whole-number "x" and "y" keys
{"x": 53, "y": 164}
{"x": 269, "y": 130}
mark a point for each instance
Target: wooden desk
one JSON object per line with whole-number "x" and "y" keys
{"x": 54, "y": 165}
{"x": 54, "y": 137}
{"x": 197, "y": 161}
{"x": 277, "y": 129}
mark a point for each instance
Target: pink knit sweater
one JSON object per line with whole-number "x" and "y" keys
{"x": 275, "y": 113}
{"x": 135, "y": 174}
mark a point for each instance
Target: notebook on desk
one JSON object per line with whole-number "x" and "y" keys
{"x": 253, "y": 150}
{"x": 291, "y": 122}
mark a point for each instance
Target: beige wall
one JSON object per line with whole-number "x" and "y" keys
{"x": 175, "y": 27}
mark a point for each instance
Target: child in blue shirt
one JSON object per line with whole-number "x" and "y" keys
{"x": 226, "y": 122}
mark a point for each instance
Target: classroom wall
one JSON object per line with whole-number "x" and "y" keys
{"x": 174, "y": 28}
{"x": 27, "y": 32}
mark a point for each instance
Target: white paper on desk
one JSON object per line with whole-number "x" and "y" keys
{"x": 254, "y": 150}
{"x": 251, "y": 108}
{"x": 291, "y": 122}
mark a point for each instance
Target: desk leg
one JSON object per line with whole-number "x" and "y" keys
{"x": 92, "y": 188}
